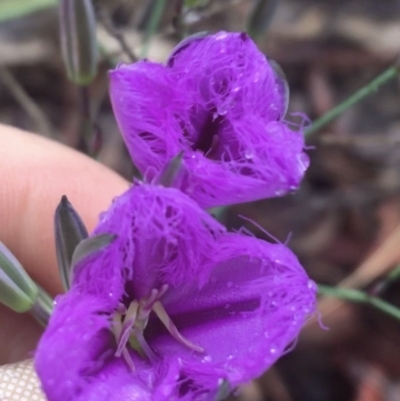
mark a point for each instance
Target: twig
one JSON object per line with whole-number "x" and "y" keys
{"x": 177, "y": 21}
{"x": 26, "y": 102}
{"x": 116, "y": 34}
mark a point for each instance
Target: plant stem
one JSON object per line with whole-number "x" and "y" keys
{"x": 43, "y": 307}
{"x": 383, "y": 284}
{"x": 360, "y": 297}
{"x": 86, "y": 127}
{"x": 27, "y": 102}
{"x": 261, "y": 17}
{"x": 115, "y": 33}
{"x": 155, "y": 18}
{"x": 91, "y": 138}
{"x": 389, "y": 74}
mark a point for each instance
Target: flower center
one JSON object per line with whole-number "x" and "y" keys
{"x": 128, "y": 326}
{"x": 208, "y": 139}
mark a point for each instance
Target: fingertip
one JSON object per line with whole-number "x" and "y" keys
{"x": 35, "y": 173}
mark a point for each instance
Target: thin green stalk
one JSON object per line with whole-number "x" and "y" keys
{"x": 86, "y": 128}
{"x": 360, "y": 297}
{"x": 155, "y": 18}
{"x": 43, "y": 307}
{"x": 365, "y": 91}
{"x": 260, "y": 18}
{"x": 394, "y": 274}
{"x": 105, "y": 19}
{"x": 383, "y": 284}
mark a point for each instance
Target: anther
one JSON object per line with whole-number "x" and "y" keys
{"x": 145, "y": 346}
{"x": 129, "y": 325}
{"x": 162, "y": 314}
{"x": 117, "y": 329}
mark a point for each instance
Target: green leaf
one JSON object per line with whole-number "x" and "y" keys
{"x": 11, "y": 9}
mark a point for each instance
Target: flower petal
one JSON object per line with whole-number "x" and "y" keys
{"x": 74, "y": 346}
{"x": 228, "y": 72}
{"x": 163, "y": 237}
{"x": 146, "y": 106}
{"x": 115, "y": 383}
{"x": 258, "y": 156}
{"x": 221, "y": 103}
{"x": 75, "y": 362}
{"x": 261, "y": 161}
{"x": 252, "y": 308}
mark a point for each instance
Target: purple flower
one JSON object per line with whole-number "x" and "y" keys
{"x": 172, "y": 307}
{"x": 221, "y": 102}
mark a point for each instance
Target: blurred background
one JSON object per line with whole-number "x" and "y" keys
{"x": 345, "y": 220}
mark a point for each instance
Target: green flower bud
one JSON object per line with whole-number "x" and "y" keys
{"x": 17, "y": 290}
{"x": 78, "y": 40}
{"x": 69, "y": 231}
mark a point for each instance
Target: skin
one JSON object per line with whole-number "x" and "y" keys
{"x": 34, "y": 174}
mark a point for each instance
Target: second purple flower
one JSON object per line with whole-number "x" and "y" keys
{"x": 220, "y": 102}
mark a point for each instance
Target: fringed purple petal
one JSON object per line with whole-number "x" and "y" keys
{"x": 115, "y": 383}
{"x": 163, "y": 237}
{"x": 103, "y": 274}
{"x": 227, "y": 73}
{"x": 249, "y": 169}
{"x": 74, "y": 345}
{"x": 256, "y": 301}
{"x": 221, "y": 103}
{"x": 146, "y": 106}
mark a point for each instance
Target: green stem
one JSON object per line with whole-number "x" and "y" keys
{"x": 383, "y": 284}
{"x": 360, "y": 297}
{"x": 365, "y": 91}
{"x": 155, "y": 18}
{"x": 261, "y": 18}
{"x": 43, "y": 307}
